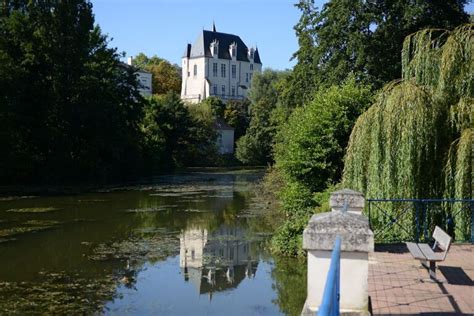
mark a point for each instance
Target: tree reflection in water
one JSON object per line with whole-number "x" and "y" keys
{"x": 289, "y": 282}
{"x": 106, "y": 245}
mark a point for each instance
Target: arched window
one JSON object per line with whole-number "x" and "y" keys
{"x": 195, "y": 70}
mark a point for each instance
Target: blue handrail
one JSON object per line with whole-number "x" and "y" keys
{"x": 330, "y": 303}
{"x": 422, "y": 200}
{"x": 409, "y": 219}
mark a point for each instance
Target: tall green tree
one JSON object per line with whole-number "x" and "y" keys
{"x": 166, "y": 76}
{"x": 255, "y": 147}
{"x": 236, "y": 114}
{"x": 362, "y": 38}
{"x": 174, "y": 137}
{"x": 216, "y": 106}
{"x": 311, "y": 145}
{"x": 266, "y": 86}
{"x": 309, "y": 155}
{"x": 68, "y": 110}
{"x": 415, "y": 141}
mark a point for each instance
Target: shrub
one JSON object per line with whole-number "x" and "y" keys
{"x": 309, "y": 154}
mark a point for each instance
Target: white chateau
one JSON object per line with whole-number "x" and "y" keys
{"x": 218, "y": 64}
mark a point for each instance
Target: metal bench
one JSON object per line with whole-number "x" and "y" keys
{"x": 437, "y": 253}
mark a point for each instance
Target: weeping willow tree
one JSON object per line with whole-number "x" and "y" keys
{"x": 415, "y": 141}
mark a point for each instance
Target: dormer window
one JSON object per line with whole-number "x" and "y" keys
{"x": 251, "y": 53}
{"x": 215, "y": 48}
{"x": 233, "y": 50}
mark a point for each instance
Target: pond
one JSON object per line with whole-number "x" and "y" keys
{"x": 186, "y": 244}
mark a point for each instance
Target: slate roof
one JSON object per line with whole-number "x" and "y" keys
{"x": 256, "y": 57}
{"x": 202, "y": 46}
{"x": 187, "y": 51}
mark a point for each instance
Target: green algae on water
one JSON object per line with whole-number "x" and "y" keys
{"x": 20, "y": 230}
{"x": 15, "y": 198}
{"x": 41, "y": 223}
{"x": 151, "y": 247}
{"x": 57, "y": 293}
{"x": 146, "y": 210}
{"x": 33, "y": 210}
{"x": 31, "y": 226}
{"x": 193, "y": 210}
{"x": 160, "y": 208}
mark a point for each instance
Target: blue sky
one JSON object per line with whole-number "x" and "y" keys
{"x": 163, "y": 27}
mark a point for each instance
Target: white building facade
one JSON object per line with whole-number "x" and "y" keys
{"x": 216, "y": 261}
{"x": 225, "y": 137}
{"x": 218, "y": 64}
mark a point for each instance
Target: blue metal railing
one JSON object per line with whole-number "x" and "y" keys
{"x": 395, "y": 220}
{"x": 330, "y": 303}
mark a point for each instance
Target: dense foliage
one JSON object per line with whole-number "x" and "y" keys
{"x": 166, "y": 76}
{"x": 68, "y": 110}
{"x": 233, "y": 112}
{"x": 236, "y": 114}
{"x": 362, "y": 38}
{"x": 174, "y": 136}
{"x": 416, "y": 140}
{"x": 310, "y": 150}
{"x": 256, "y": 146}
{"x": 312, "y": 143}
{"x": 360, "y": 42}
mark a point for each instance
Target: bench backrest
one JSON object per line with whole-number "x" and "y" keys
{"x": 443, "y": 240}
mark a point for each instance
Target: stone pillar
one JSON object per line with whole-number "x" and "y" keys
{"x": 357, "y": 240}
{"x": 355, "y": 201}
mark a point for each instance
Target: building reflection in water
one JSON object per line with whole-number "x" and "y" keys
{"x": 216, "y": 261}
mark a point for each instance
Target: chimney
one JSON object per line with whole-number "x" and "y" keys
{"x": 130, "y": 60}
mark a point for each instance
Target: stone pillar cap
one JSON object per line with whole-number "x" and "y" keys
{"x": 355, "y": 200}
{"x": 354, "y": 230}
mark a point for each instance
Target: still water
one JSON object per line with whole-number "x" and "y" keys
{"x": 187, "y": 244}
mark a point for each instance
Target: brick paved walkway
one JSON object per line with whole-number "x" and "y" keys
{"x": 399, "y": 285}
